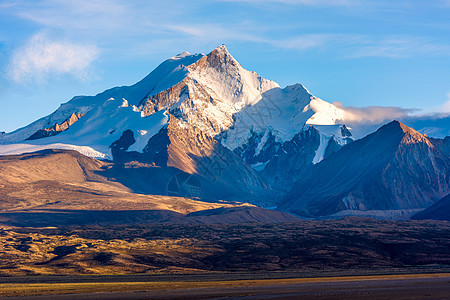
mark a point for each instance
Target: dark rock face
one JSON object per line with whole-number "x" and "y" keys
{"x": 293, "y": 158}
{"x": 56, "y": 129}
{"x": 442, "y": 144}
{"x": 282, "y": 164}
{"x": 164, "y": 99}
{"x": 119, "y": 148}
{"x": 156, "y": 149}
{"x": 332, "y": 147}
{"x": 125, "y": 141}
{"x": 438, "y": 211}
{"x": 394, "y": 168}
{"x": 250, "y": 153}
{"x": 345, "y": 131}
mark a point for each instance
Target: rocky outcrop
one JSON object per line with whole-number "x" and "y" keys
{"x": 260, "y": 148}
{"x": 57, "y": 128}
{"x": 164, "y": 99}
{"x": 394, "y": 168}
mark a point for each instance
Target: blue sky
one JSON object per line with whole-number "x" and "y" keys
{"x": 360, "y": 53}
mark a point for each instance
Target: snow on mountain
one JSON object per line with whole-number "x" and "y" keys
{"x": 165, "y": 75}
{"x": 103, "y": 125}
{"x": 14, "y": 149}
{"x": 212, "y": 92}
{"x": 226, "y": 79}
{"x": 277, "y": 118}
{"x": 214, "y": 89}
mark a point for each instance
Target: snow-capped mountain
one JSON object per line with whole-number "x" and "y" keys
{"x": 207, "y": 100}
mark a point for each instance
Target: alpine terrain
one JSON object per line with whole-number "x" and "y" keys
{"x": 203, "y": 127}
{"x": 393, "y": 172}
{"x": 203, "y": 115}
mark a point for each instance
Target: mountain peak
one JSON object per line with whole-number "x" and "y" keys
{"x": 407, "y": 135}
{"x": 220, "y": 58}
{"x": 396, "y": 126}
{"x": 222, "y": 49}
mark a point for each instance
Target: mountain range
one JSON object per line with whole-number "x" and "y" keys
{"x": 203, "y": 127}
{"x": 394, "y": 170}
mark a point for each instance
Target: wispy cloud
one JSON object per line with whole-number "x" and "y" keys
{"x": 365, "y": 120}
{"x": 359, "y": 46}
{"x": 42, "y": 57}
{"x": 71, "y": 14}
{"x": 399, "y": 47}
{"x": 214, "y": 32}
{"x": 304, "y": 42}
{"x": 373, "y": 114}
{"x": 341, "y": 42}
{"x": 301, "y": 2}
{"x": 169, "y": 24}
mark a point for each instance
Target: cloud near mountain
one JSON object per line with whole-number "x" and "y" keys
{"x": 373, "y": 114}
{"x": 42, "y": 56}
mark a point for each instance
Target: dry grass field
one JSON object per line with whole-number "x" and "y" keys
{"x": 352, "y": 243}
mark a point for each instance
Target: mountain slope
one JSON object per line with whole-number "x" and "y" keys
{"x": 395, "y": 168}
{"x": 59, "y": 179}
{"x": 438, "y": 211}
{"x": 57, "y": 187}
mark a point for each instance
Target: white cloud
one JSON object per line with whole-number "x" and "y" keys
{"x": 41, "y": 57}
{"x": 373, "y": 114}
{"x": 365, "y": 120}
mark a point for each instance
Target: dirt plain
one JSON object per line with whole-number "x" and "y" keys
{"x": 216, "y": 286}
